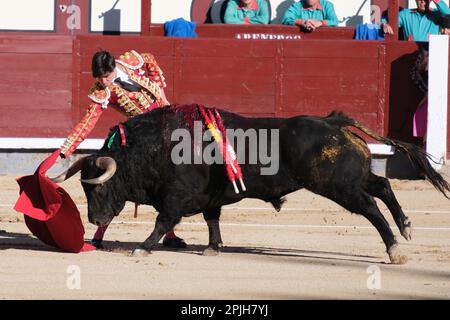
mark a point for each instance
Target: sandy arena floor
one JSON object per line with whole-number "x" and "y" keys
{"x": 312, "y": 249}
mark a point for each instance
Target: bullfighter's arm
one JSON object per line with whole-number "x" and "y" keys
{"x": 82, "y": 129}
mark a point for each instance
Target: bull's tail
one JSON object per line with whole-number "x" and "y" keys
{"x": 416, "y": 155}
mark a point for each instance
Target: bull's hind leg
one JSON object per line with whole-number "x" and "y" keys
{"x": 358, "y": 201}
{"x": 381, "y": 188}
{"x": 211, "y": 217}
{"x": 164, "y": 223}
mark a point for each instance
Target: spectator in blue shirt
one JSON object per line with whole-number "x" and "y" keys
{"x": 311, "y": 14}
{"x": 419, "y": 23}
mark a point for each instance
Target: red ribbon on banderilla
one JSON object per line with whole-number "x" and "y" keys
{"x": 215, "y": 125}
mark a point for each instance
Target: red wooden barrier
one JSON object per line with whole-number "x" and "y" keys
{"x": 258, "y": 78}
{"x": 393, "y": 19}
{"x": 145, "y": 17}
{"x": 224, "y": 31}
{"x": 369, "y": 80}
{"x": 36, "y": 86}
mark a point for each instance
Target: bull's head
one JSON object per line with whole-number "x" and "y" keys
{"x": 104, "y": 193}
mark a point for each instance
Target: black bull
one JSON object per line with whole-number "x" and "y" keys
{"x": 319, "y": 154}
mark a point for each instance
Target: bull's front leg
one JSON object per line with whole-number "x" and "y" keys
{"x": 215, "y": 239}
{"x": 164, "y": 223}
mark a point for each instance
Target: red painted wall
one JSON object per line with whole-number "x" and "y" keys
{"x": 46, "y": 79}
{"x": 36, "y": 86}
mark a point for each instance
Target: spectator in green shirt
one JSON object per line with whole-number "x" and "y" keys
{"x": 419, "y": 23}
{"x": 247, "y": 12}
{"x": 311, "y": 14}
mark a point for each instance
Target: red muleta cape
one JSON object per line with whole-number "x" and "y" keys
{"x": 50, "y": 213}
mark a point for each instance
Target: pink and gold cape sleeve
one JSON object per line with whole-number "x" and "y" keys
{"x": 100, "y": 100}
{"x": 154, "y": 71}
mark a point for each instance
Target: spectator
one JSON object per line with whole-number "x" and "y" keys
{"x": 444, "y": 24}
{"x": 311, "y": 14}
{"x": 247, "y": 12}
{"x": 419, "y": 23}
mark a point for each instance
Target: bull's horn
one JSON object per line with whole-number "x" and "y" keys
{"x": 105, "y": 163}
{"x": 74, "y": 168}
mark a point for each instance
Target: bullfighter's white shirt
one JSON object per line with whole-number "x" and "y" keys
{"x": 125, "y": 78}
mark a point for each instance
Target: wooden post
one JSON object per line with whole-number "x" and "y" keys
{"x": 61, "y": 18}
{"x": 145, "y": 17}
{"x": 393, "y": 19}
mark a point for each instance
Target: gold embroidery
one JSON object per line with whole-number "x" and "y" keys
{"x": 100, "y": 95}
{"x": 147, "y": 84}
{"x": 124, "y": 101}
{"x": 133, "y": 64}
{"x": 142, "y": 100}
{"x": 131, "y": 60}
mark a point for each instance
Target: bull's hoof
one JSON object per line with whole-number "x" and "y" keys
{"x": 140, "y": 252}
{"x": 407, "y": 230}
{"x": 210, "y": 252}
{"x": 395, "y": 256}
{"x": 406, "y": 233}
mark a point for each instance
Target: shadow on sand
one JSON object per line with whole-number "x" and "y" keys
{"x": 197, "y": 249}
{"x": 21, "y": 241}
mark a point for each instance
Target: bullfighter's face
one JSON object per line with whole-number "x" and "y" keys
{"x": 108, "y": 78}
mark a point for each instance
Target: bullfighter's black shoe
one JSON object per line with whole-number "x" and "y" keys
{"x": 176, "y": 243}
{"x": 97, "y": 243}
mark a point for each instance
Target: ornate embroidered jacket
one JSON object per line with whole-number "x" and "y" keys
{"x": 143, "y": 70}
